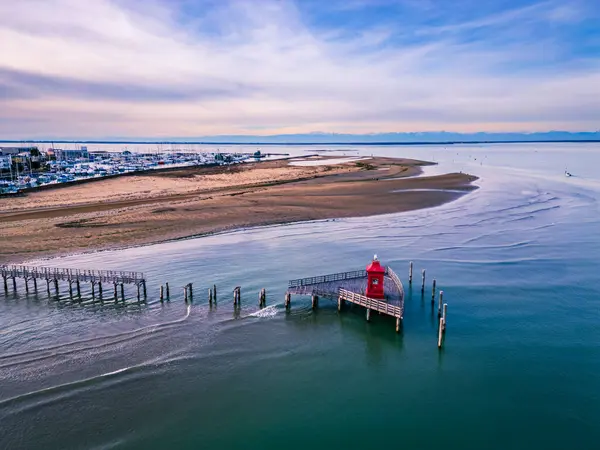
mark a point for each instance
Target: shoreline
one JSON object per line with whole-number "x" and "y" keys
{"x": 193, "y": 203}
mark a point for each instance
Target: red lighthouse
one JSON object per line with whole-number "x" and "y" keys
{"x": 375, "y": 274}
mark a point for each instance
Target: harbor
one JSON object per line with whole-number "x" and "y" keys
{"x": 26, "y": 169}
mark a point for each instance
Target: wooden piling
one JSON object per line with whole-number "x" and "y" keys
{"x": 423, "y": 281}
{"x": 368, "y": 315}
{"x": 14, "y": 284}
{"x": 116, "y": 294}
{"x": 78, "y": 288}
{"x": 410, "y": 272}
{"x": 70, "y": 289}
{"x": 138, "y": 291}
{"x": 93, "y": 289}
{"x": 440, "y": 334}
{"x": 190, "y": 287}
{"x": 56, "y": 286}
{"x": 5, "y": 284}
{"x": 340, "y": 303}
{"x": 185, "y": 293}
{"x": 48, "y": 285}
{"x": 315, "y": 301}
{"x": 100, "y": 288}
{"x": 162, "y": 292}
{"x": 26, "y": 285}
{"x": 288, "y": 300}
{"x": 122, "y": 292}
{"x": 444, "y": 316}
{"x": 145, "y": 291}
{"x": 35, "y": 284}
{"x": 398, "y": 324}
{"x": 210, "y": 296}
{"x": 441, "y": 299}
{"x": 433, "y": 292}
{"x": 167, "y": 289}
{"x": 215, "y": 292}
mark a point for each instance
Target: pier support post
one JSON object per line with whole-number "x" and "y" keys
{"x": 26, "y": 285}
{"x": 398, "y": 324}
{"x": 423, "y": 281}
{"x": 70, "y": 289}
{"x": 340, "y": 304}
{"x": 56, "y": 286}
{"x": 440, "y": 333}
{"x": 185, "y": 293}
{"x": 14, "y": 284}
{"x": 5, "y": 283}
{"x": 210, "y": 296}
{"x": 167, "y": 289}
{"x": 35, "y": 284}
{"x": 116, "y": 295}
{"x": 78, "y": 288}
{"x": 444, "y": 316}
{"x": 144, "y": 287}
{"x": 410, "y": 272}
{"x": 48, "y": 286}
{"x": 433, "y": 293}
{"x": 288, "y": 300}
{"x": 441, "y": 299}
{"x": 93, "y": 289}
{"x": 162, "y": 292}
{"x": 138, "y": 291}
{"x": 315, "y": 301}
{"x": 191, "y": 288}
{"x": 368, "y": 315}
{"x": 122, "y": 292}
{"x": 215, "y": 292}
{"x": 100, "y": 288}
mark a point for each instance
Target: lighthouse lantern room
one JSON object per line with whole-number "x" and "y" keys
{"x": 375, "y": 277}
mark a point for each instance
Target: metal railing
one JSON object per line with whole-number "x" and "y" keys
{"x": 327, "y": 278}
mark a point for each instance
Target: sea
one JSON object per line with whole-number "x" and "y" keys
{"x": 518, "y": 261}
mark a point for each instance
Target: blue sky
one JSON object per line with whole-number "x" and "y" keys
{"x": 159, "y": 68}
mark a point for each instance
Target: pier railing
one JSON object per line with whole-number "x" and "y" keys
{"x": 396, "y": 279}
{"x": 327, "y": 278}
{"x": 371, "y": 303}
{"x": 52, "y": 273}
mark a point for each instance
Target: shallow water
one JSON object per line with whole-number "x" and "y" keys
{"x": 518, "y": 263}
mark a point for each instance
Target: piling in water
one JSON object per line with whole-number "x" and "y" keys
{"x": 441, "y": 299}
{"x": 162, "y": 288}
{"x": 410, "y": 272}
{"x": 368, "y": 315}
{"x": 444, "y": 316}
{"x": 122, "y": 292}
{"x": 167, "y": 289}
{"x": 423, "y": 281}
{"x": 210, "y": 296}
{"x": 433, "y": 292}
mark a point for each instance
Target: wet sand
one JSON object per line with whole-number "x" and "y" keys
{"x": 156, "y": 207}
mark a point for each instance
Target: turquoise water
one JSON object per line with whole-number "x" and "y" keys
{"x": 518, "y": 262}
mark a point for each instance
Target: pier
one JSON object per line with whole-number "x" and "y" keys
{"x": 74, "y": 277}
{"x": 356, "y": 287}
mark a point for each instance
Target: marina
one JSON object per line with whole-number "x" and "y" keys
{"x": 28, "y": 169}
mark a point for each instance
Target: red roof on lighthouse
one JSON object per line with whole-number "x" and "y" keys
{"x": 375, "y": 266}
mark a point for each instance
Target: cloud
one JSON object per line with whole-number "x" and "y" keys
{"x": 120, "y": 67}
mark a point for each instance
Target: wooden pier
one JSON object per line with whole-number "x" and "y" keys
{"x": 52, "y": 275}
{"x": 351, "y": 287}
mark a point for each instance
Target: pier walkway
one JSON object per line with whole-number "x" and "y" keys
{"x": 351, "y": 287}
{"x": 73, "y": 276}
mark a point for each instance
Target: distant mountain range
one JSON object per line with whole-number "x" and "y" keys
{"x": 335, "y": 138}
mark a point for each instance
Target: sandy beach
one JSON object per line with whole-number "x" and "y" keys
{"x": 176, "y": 204}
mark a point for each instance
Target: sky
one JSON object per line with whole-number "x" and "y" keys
{"x": 164, "y": 68}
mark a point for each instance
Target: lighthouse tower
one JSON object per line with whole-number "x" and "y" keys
{"x": 375, "y": 274}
